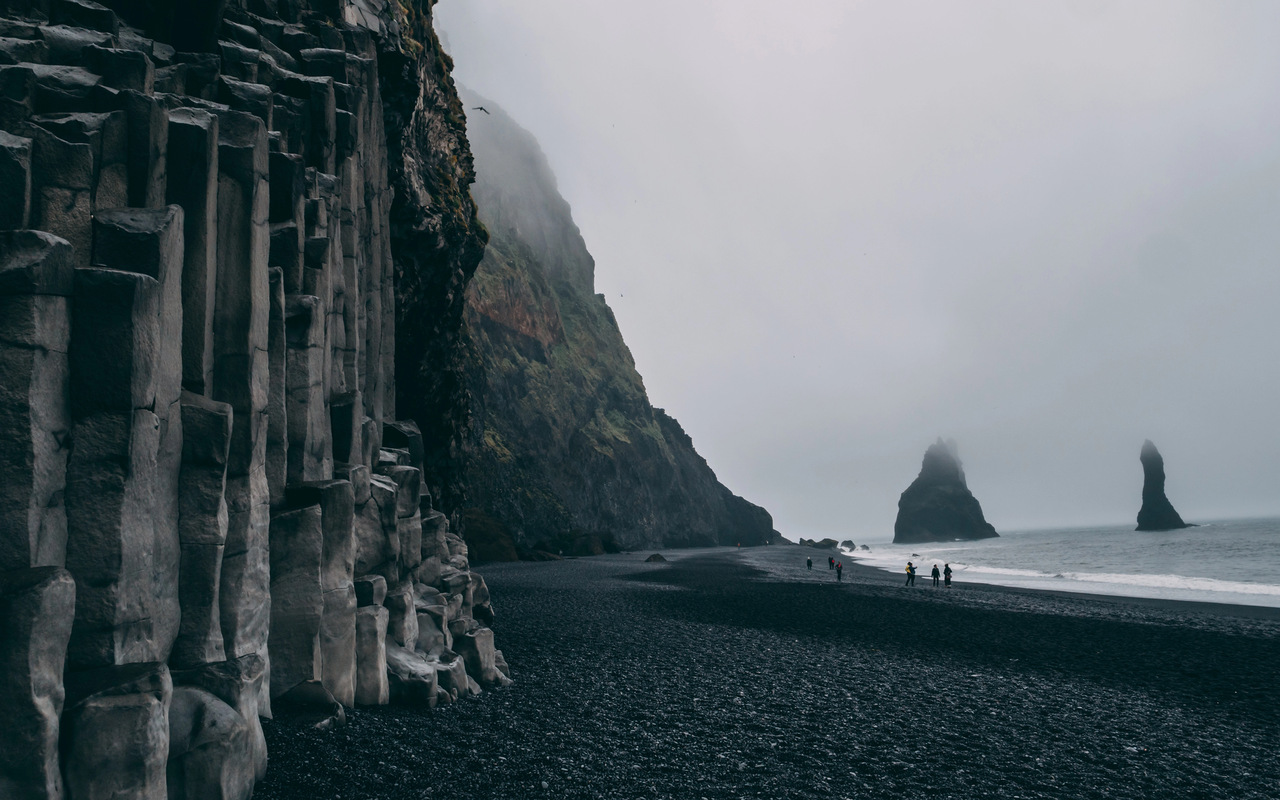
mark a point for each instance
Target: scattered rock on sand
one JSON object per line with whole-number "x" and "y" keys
{"x": 655, "y": 557}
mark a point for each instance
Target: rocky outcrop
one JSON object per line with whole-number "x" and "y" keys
{"x": 436, "y": 243}
{"x": 1157, "y": 513}
{"x": 200, "y": 453}
{"x": 565, "y": 453}
{"x": 938, "y": 506}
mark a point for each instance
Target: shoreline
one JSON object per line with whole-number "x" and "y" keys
{"x": 729, "y": 673}
{"x": 866, "y": 573}
{"x": 1205, "y": 606}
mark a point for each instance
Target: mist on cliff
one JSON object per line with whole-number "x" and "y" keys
{"x": 832, "y": 232}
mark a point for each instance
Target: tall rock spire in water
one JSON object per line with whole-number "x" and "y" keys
{"x": 1157, "y": 513}
{"x": 938, "y": 506}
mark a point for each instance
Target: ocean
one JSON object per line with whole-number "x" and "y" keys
{"x": 1231, "y": 561}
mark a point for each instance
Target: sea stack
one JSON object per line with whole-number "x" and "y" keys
{"x": 1157, "y": 513}
{"x": 938, "y": 506}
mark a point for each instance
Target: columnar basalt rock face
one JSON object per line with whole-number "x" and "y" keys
{"x": 938, "y": 506}
{"x": 200, "y": 468}
{"x": 36, "y": 609}
{"x": 1157, "y": 513}
{"x": 202, "y": 526}
{"x": 116, "y": 731}
{"x": 36, "y": 280}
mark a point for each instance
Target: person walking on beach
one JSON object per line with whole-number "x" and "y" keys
{"x": 935, "y": 576}
{"x": 946, "y": 573}
{"x": 831, "y": 562}
{"x": 839, "y": 570}
{"x": 808, "y": 562}
{"x": 911, "y": 574}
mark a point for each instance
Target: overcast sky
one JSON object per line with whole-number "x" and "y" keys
{"x": 832, "y": 231}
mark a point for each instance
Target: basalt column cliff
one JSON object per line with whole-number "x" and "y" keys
{"x": 565, "y": 452}
{"x": 209, "y": 505}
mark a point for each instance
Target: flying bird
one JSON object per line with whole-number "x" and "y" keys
{"x": 480, "y": 108}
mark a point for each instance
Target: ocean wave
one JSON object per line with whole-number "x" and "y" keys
{"x": 1177, "y": 582}
{"x": 1171, "y": 586}
{"x": 1185, "y": 582}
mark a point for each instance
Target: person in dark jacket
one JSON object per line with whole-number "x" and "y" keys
{"x": 911, "y": 574}
{"x": 946, "y": 575}
{"x": 936, "y": 574}
{"x": 839, "y": 571}
{"x": 808, "y": 562}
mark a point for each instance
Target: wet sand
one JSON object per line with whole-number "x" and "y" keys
{"x": 737, "y": 673}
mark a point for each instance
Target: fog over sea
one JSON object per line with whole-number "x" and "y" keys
{"x": 1229, "y": 561}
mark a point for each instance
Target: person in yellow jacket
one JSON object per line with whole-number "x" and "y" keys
{"x": 911, "y": 574}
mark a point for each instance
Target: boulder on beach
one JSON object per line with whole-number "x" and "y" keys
{"x": 1157, "y": 513}
{"x": 938, "y": 506}
{"x": 655, "y": 557}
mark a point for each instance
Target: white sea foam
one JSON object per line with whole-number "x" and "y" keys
{"x": 1165, "y": 566}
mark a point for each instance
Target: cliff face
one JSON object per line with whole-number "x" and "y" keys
{"x": 1157, "y": 513}
{"x": 214, "y": 217}
{"x": 436, "y": 242}
{"x": 565, "y": 452}
{"x": 938, "y": 506}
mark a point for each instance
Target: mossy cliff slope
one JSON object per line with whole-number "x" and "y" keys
{"x": 564, "y": 451}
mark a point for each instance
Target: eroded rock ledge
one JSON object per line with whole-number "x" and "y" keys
{"x": 207, "y": 504}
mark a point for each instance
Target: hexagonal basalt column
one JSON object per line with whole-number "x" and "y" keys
{"x": 149, "y": 241}
{"x": 36, "y": 279}
{"x": 111, "y": 473}
{"x": 192, "y": 182}
{"x": 297, "y": 605}
{"x": 310, "y": 453}
{"x": 202, "y": 529}
{"x": 241, "y": 376}
{"x": 36, "y": 607}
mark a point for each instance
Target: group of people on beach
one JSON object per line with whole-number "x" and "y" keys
{"x": 945, "y": 574}
{"x": 838, "y": 566}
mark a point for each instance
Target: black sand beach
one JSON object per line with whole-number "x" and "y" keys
{"x": 737, "y": 673}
